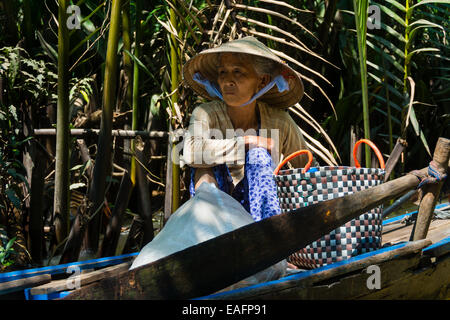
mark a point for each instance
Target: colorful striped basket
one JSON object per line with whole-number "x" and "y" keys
{"x": 298, "y": 188}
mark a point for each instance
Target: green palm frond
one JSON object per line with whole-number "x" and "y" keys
{"x": 400, "y": 43}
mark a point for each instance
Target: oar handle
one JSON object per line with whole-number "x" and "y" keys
{"x": 293, "y": 155}
{"x": 374, "y": 148}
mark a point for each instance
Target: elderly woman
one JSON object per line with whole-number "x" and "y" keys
{"x": 236, "y": 140}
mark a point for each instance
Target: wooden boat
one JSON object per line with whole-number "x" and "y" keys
{"x": 406, "y": 269}
{"x": 52, "y": 282}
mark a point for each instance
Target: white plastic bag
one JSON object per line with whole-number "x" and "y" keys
{"x": 210, "y": 213}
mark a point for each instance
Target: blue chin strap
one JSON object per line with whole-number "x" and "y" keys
{"x": 211, "y": 88}
{"x": 214, "y": 91}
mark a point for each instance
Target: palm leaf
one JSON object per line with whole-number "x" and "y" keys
{"x": 422, "y": 24}
{"x": 222, "y": 25}
{"x": 392, "y": 14}
{"x": 282, "y": 40}
{"x": 423, "y": 2}
{"x": 305, "y": 116}
{"x": 390, "y": 87}
{"x": 391, "y": 31}
{"x": 49, "y": 50}
{"x": 185, "y": 22}
{"x": 275, "y": 28}
{"x": 389, "y": 45}
{"x": 284, "y": 4}
{"x": 141, "y": 65}
{"x": 409, "y": 56}
{"x": 386, "y": 72}
{"x": 411, "y": 115}
{"x": 283, "y": 55}
{"x": 384, "y": 101}
{"x": 384, "y": 113}
{"x": 396, "y": 4}
{"x": 83, "y": 41}
{"x": 192, "y": 16}
{"x": 386, "y": 56}
{"x": 276, "y": 14}
{"x": 318, "y": 149}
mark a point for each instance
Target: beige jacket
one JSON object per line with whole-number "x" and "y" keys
{"x": 211, "y": 139}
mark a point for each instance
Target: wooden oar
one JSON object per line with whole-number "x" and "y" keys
{"x": 217, "y": 263}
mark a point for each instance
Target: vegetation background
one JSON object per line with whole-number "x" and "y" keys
{"x": 70, "y": 197}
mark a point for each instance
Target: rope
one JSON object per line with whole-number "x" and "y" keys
{"x": 433, "y": 175}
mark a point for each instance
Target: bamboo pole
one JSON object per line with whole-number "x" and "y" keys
{"x": 127, "y": 64}
{"x": 174, "y": 98}
{"x": 61, "y": 196}
{"x": 404, "y": 112}
{"x": 129, "y": 134}
{"x": 431, "y": 191}
{"x": 127, "y": 77}
{"x": 103, "y": 163}
{"x": 135, "y": 96}
{"x": 360, "y": 8}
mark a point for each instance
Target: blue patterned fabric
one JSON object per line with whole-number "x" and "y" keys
{"x": 257, "y": 191}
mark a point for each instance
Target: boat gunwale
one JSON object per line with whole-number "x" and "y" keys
{"x": 297, "y": 277}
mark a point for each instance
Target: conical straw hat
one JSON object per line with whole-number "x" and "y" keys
{"x": 206, "y": 64}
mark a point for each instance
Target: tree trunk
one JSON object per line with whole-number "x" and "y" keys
{"x": 145, "y": 209}
{"x": 112, "y": 233}
{"x": 174, "y": 54}
{"x": 103, "y": 165}
{"x": 61, "y": 197}
{"x": 135, "y": 96}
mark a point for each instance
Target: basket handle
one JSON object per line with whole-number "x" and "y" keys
{"x": 374, "y": 148}
{"x": 293, "y": 155}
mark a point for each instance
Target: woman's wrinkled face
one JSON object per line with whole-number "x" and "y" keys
{"x": 237, "y": 79}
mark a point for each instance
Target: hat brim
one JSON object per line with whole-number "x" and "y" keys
{"x": 206, "y": 64}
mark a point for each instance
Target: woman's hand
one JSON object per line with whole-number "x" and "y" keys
{"x": 204, "y": 175}
{"x": 259, "y": 142}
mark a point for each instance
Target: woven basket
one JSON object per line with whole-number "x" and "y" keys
{"x": 299, "y": 188}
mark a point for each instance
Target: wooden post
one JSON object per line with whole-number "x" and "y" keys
{"x": 144, "y": 193}
{"x": 431, "y": 191}
{"x": 168, "y": 189}
{"x": 353, "y": 138}
{"x": 394, "y": 156}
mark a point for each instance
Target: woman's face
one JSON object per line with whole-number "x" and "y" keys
{"x": 237, "y": 79}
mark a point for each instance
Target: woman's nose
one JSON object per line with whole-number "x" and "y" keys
{"x": 228, "y": 79}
